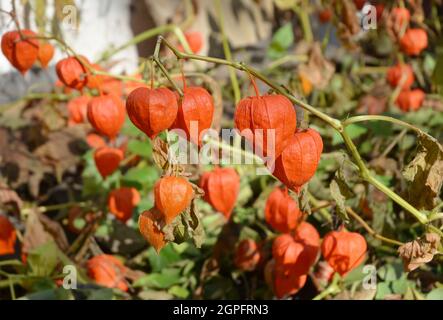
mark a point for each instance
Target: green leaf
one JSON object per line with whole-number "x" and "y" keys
{"x": 383, "y": 289}
{"x": 141, "y": 148}
{"x": 141, "y": 177}
{"x": 282, "y": 40}
{"x": 165, "y": 258}
{"x": 43, "y": 259}
{"x": 353, "y": 130}
{"x": 436, "y": 294}
{"x": 157, "y": 280}
{"x": 179, "y": 292}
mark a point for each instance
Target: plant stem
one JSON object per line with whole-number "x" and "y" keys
{"x": 302, "y": 12}
{"x": 357, "y": 119}
{"x": 334, "y": 123}
{"x": 371, "y": 231}
{"x": 227, "y": 52}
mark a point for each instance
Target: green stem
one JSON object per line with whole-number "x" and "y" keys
{"x": 303, "y": 14}
{"x": 227, "y": 52}
{"x": 381, "y": 118}
{"x": 145, "y": 36}
{"x": 165, "y": 72}
{"x": 420, "y": 216}
{"x": 334, "y": 123}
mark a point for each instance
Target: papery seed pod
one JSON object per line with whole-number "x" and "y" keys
{"x": 414, "y": 41}
{"x": 95, "y": 81}
{"x": 410, "y": 100}
{"x": 195, "y": 113}
{"x": 107, "y": 160}
{"x": 21, "y": 49}
{"x": 400, "y": 18}
{"x": 299, "y": 160}
{"x": 400, "y": 73}
{"x": 8, "y": 237}
{"x": 195, "y": 41}
{"x": 148, "y": 224}
{"x": 359, "y": 4}
{"x": 122, "y": 201}
{"x": 281, "y": 211}
{"x": 296, "y": 253}
{"x": 247, "y": 255}
{"x": 262, "y": 118}
{"x": 325, "y": 15}
{"x": 45, "y": 54}
{"x": 107, "y": 115}
{"x": 343, "y": 250}
{"x": 379, "y": 9}
{"x": 108, "y": 271}
{"x": 152, "y": 110}
{"x": 77, "y": 109}
{"x": 221, "y": 187}
{"x": 287, "y": 284}
{"x": 95, "y": 141}
{"x": 72, "y": 73}
{"x": 112, "y": 86}
{"x": 130, "y": 86}
{"x": 172, "y": 196}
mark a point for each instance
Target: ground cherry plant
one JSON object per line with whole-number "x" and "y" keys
{"x": 305, "y": 175}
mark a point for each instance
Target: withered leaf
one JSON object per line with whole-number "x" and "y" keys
{"x": 63, "y": 149}
{"x": 419, "y": 252}
{"x": 425, "y": 173}
{"x": 160, "y": 152}
{"x": 35, "y": 234}
{"x": 318, "y": 70}
{"x": 8, "y": 196}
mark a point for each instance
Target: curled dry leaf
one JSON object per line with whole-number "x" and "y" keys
{"x": 419, "y": 252}
{"x": 425, "y": 173}
{"x": 8, "y": 196}
{"x": 318, "y": 70}
{"x": 348, "y": 25}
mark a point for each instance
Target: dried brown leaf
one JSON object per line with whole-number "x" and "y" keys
{"x": 419, "y": 252}
{"x": 425, "y": 173}
{"x": 318, "y": 70}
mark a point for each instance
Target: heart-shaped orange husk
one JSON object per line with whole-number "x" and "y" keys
{"x": 221, "y": 187}
{"x": 288, "y": 283}
{"x": 298, "y": 252}
{"x": 172, "y": 196}
{"x": 152, "y": 110}
{"x": 410, "y": 100}
{"x": 344, "y": 250}
{"x": 45, "y": 54}
{"x": 8, "y": 236}
{"x": 260, "y": 118}
{"x": 122, "y": 201}
{"x": 72, "y": 73}
{"x": 148, "y": 223}
{"x": 107, "y": 160}
{"x": 414, "y": 41}
{"x": 195, "y": 113}
{"x": 396, "y": 73}
{"x": 107, "y": 114}
{"x": 247, "y": 255}
{"x": 299, "y": 160}
{"x": 281, "y": 211}
{"x": 77, "y": 109}
{"x": 107, "y": 271}
{"x": 21, "y": 53}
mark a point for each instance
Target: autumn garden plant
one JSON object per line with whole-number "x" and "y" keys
{"x": 291, "y": 245}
